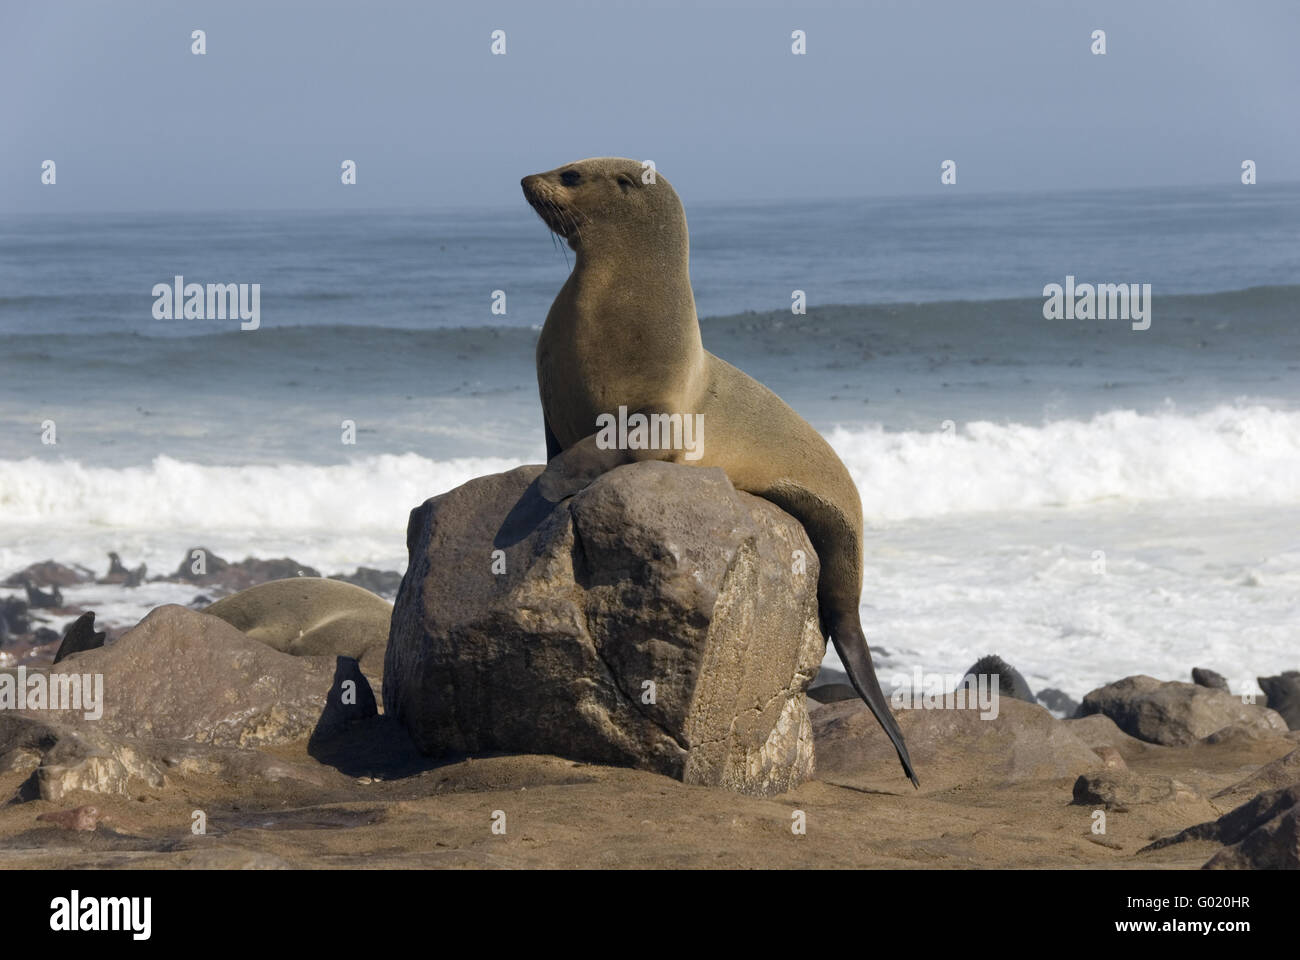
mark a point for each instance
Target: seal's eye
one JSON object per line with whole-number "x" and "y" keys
{"x": 625, "y": 182}
{"x": 570, "y": 178}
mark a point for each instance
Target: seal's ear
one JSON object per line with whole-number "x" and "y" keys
{"x": 625, "y": 182}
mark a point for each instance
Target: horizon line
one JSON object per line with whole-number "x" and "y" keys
{"x": 434, "y": 207}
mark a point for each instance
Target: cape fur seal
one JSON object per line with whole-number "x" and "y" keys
{"x": 308, "y": 616}
{"x": 80, "y": 636}
{"x": 622, "y": 336}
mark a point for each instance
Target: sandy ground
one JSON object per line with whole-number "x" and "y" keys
{"x": 376, "y": 803}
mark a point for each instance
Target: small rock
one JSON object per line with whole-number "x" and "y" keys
{"x": 1208, "y": 678}
{"x": 1118, "y": 790}
{"x": 50, "y": 574}
{"x": 1059, "y": 702}
{"x": 83, "y": 818}
{"x": 382, "y": 582}
{"x": 214, "y": 571}
{"x": 1173, "y": 713}
{"x": 210, "y": 566}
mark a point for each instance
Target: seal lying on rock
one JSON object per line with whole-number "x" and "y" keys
{"x": 622, "y": 337}
{"x": 310, "y": 616}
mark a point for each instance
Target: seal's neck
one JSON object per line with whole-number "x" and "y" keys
{"x": 607, "y": 279}
{"x": 642, "y": 251}
{"x": 648, "y": 259}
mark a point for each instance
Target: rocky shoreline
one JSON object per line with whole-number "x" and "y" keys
{"x": 1023, "y": 791}
{"x": 500, "y": 717}
{"x": 32, "y": 600}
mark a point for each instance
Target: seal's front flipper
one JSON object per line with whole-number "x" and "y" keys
{"x": 576, "y": 467}
{"x": 851, "y": 645}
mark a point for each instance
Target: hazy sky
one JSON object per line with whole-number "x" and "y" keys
{"x": 712, "y": 93}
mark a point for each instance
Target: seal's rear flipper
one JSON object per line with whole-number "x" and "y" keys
{"x": 851, "y": 645}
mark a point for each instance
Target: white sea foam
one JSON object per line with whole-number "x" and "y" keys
{"x": 368, "y": 493}
{"x": 1242, "y": 454}
{"x": 1246, "y": 454}
{"x": 986, "y": 540}
{"x": 329, "y": 516}
{"x": 1239, "y": 454}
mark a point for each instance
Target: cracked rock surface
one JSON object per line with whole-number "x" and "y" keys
{"x": 658, "y": 619}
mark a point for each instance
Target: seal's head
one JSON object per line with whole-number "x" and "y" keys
{"x": 608, "y": 203}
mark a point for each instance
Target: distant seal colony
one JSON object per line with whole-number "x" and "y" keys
{"x": 623, "y": 332}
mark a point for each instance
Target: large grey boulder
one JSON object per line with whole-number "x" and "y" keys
{"x": 183, "y": 675}
{"x": 1173, "y": 713}
{"x": 657, "y": 619}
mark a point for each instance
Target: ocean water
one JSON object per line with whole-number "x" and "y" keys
{"x": 1086, "y": 500}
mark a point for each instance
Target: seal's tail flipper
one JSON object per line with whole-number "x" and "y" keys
{"x": 851, "y": 645}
